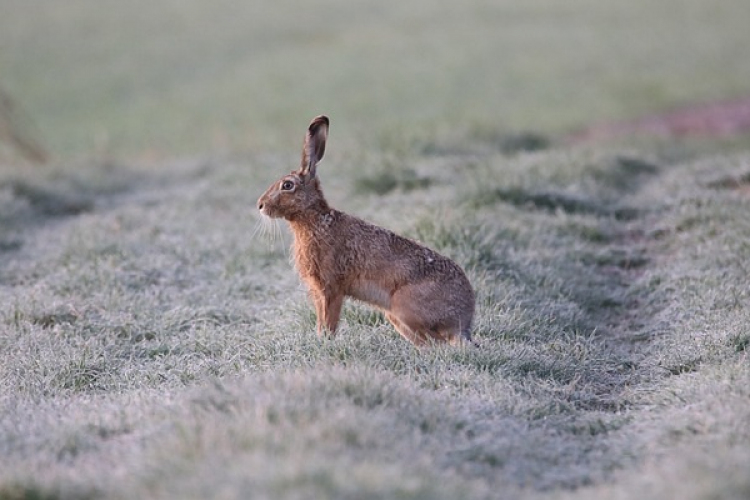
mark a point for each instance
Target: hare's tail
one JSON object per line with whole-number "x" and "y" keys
{"x": 463, "y": 337}
{"x": 466, "y": 334}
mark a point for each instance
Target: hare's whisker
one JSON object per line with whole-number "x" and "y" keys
{"x": 257, "y": 228}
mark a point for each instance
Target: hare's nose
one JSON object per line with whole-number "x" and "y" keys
{"x": 260, "y": 205}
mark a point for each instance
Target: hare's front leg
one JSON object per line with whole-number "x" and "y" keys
{"x": 328, "y": 310}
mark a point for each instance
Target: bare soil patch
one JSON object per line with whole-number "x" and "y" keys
{"x": 707, "y": 120}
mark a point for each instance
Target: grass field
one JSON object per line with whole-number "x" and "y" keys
{"x": 154, "y": 344}
{"x": 113, "y": 78}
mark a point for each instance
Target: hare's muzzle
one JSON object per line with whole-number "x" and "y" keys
{"x": 262, "y": 203}
{"x": 263, "y": 206}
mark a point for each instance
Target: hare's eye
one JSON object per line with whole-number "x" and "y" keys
{"x": 287, "y": 185}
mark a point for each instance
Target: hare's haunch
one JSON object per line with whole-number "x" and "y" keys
{"x": 425, "y": 295}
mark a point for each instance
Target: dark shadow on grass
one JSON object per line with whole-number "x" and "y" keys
{"x": 523, "y": 142}
{"x": 552, "y": 202}
{"x": 489, "y": 141}
{"x": 388, "y": 180}
{"x": 49, "y": 203}
{"x": 30, "y": 491}
{"x": 83, "y": 376}
{"x": 625, "y": 175}
{"x": 10, "y": 245}
{"x": 57, "y": 196}
{"x": 732, "y": 182}
{"x": 29, "y": 203}
{"x": 49, "y": 320}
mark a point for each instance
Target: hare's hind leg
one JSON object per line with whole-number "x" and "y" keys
{"x": 410, "y": 334}
{"x": 422, "y": 310}
{"x": 415, "y": 310}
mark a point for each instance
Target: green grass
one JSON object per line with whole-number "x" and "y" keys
{"x": 153, "y": 344}
{"x": 105, "y": 78}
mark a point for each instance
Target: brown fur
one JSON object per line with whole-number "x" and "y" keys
{"x": 426, "y": 296}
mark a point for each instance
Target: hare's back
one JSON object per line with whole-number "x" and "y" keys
{"x": 384, "y": 255}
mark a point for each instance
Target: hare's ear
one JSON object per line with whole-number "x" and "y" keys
{"x": 315, "y": 145}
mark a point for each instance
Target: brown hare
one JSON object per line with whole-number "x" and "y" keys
{"x": 426, "y": 296}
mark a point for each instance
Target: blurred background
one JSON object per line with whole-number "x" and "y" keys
{"x": 152, "y": 80}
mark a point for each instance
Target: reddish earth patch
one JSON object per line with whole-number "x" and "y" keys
{"x": 707, "y": 120}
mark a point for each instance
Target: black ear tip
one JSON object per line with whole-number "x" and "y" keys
{"x": 318, "y": 121}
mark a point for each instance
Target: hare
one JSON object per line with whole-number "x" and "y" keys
{"x": 425, "y": 295}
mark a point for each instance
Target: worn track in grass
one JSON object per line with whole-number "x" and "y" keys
{"x": 152, "y": 330}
